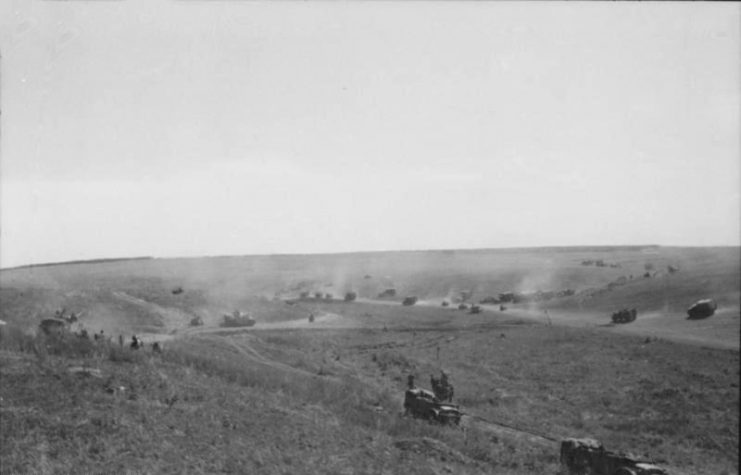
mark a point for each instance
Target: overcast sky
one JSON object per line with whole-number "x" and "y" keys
{"x": 192, "y": 128}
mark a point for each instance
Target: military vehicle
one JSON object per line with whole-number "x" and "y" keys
{"x": 589, "y": 457}
{"x": 388, "y": 293}
{"x": 408, "y": 301}
{"x": 702, "y": 309}
{"x": 53, "y": 325}
{"x": 237, "y": 319}
{"x": 475, "y": 309}
{"x": 351, "y": 296}
{"x": 196, "y": 321}
{"x": 60, "y": 322}
{"x": 505, "y": 297}
{"x": 423, "y": 404}
{"x": 624, "y": 316}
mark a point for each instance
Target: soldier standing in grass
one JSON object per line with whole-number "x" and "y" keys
{"x": 410, "y": 381}
{"x": 120, "y": 340}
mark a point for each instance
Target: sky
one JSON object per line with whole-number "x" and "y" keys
{"x": 191, "y": 128}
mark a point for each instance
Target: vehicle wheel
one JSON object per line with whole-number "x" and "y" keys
{"x": 624, "y": 471}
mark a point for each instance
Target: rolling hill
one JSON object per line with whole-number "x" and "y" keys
{"x": 290, "y": 395}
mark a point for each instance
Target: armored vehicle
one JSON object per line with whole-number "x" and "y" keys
{"x": 423, "y": 404}
{"x": 702, "y": 309}
{"x": 54, "y": 325}
{"x": 409, "y": 301}
{"x": 196, "y": 321}
{"x": 624, "y": 316}
{"x": 589, "y": 457}
{"x": 388, "y": 293}
{"x": 238, "y": 319}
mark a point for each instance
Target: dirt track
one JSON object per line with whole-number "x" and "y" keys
{"x": 721, "y": 333}
{"x": 171, "y": 318}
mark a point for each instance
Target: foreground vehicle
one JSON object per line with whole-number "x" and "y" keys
{"x": 589, "y": 457}
{"x": 423, "y": 404}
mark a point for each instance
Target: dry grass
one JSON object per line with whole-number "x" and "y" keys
{"x": 247, "y": 403}
{"x": 318, "y": 400}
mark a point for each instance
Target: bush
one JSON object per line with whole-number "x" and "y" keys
{"x": 124, "y": 354}
{"x": 13, "y": 338}
{"x": 69, "y": 345}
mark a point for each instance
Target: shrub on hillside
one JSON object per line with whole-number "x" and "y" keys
{"x": 70, "y": 345}
{"x": 15, "y": 339}
{"x": 124, "y": 354}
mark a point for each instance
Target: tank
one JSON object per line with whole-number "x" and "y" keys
{"x": 237, "y": 319}
{"x": 408, "y": 301}
{"x": 388, "y": 293}
{"x": 54, "y": 325}
{"x": 624, "y": 316}
{"x": 702, "y": 309}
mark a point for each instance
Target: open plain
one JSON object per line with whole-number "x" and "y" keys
{"x": 541, "y": 362}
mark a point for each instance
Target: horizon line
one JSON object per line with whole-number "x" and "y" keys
{"x": 103, "y": 260}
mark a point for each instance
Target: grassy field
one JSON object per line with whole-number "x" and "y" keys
{"x": 289, "y": 396}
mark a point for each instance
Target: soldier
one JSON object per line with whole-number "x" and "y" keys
{"x": 410, "y": 381}
{"x": 120, "y": 340}
{"x": 446, "y": 389}
{"x": 433, "y": 384}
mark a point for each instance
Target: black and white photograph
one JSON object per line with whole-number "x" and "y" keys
{"x": 414, "y": 237}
